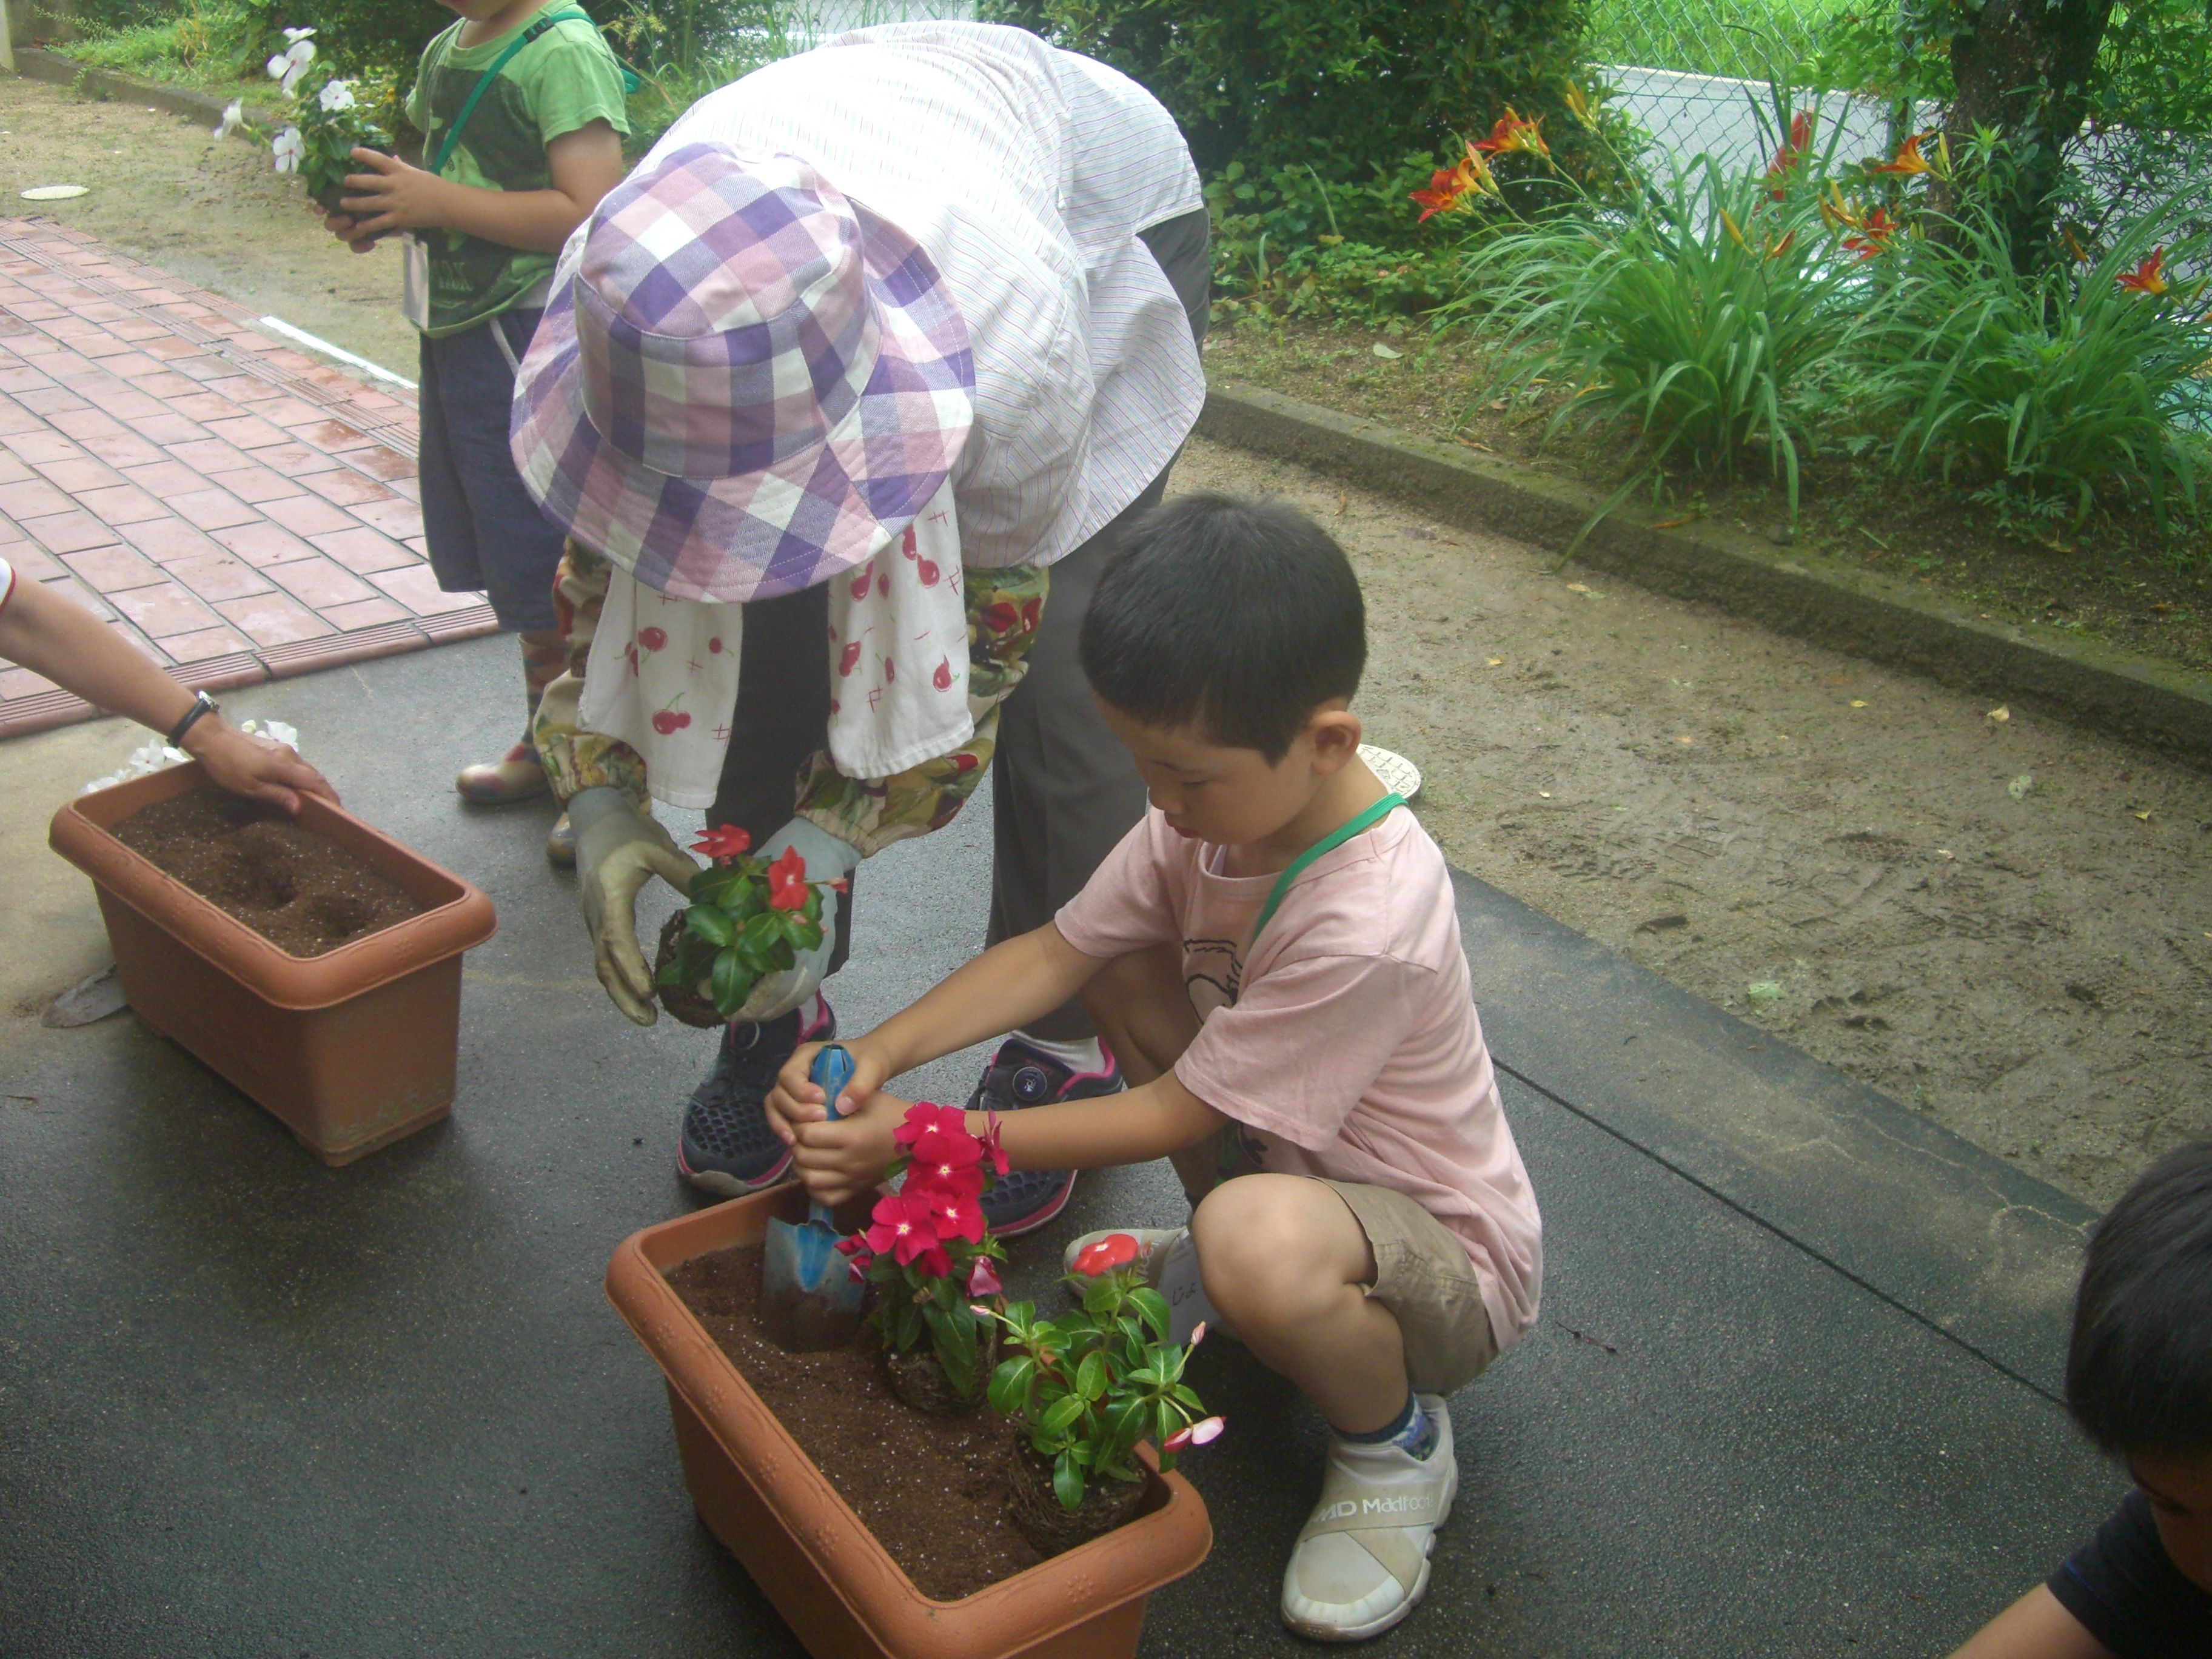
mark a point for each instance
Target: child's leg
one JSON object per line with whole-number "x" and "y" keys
{"x": 1361, "y": 1298}
{"x": 1288, "y": 1265}
{"x": 1141, "y": 1011}
{"x": 511, "y": 552}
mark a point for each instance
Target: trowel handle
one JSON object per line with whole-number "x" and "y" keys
{"x": 832, "y": 1070}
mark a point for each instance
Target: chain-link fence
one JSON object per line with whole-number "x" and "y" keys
{"x": 1690, "y": 73}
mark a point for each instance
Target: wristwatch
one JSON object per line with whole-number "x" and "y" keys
{"x": 202, "y": 704}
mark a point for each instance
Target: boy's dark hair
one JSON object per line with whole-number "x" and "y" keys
{"x": 2139, "y": 1369}
{"x": 1239, "y": 618}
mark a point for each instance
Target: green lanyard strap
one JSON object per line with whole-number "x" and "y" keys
{"x": 538, "y": 28}
{"x": 1329, "y": 843}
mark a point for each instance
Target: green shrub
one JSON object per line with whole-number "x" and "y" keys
{"x": 2052, "y": 390}
{"x": 1704, "y": 326}
{"x": 1279, "y": 82}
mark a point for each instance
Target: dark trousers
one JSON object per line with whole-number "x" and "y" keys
{"x": 1063, "y": 790}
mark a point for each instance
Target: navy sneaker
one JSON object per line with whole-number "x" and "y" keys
{"x": 1019, "y": 1076}
{"x": 726, "y": 1147}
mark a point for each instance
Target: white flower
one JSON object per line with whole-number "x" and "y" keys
{"x": 293, "y": 37}
{"x": 290, "y": 64}
{"x": 289, "y": 148}
{"x": 232, "y": 114}
{"x": 337, "y": 95}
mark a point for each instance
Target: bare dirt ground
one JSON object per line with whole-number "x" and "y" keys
{"x": 2005, "y": 923}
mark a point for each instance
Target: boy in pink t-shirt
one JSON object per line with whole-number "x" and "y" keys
{"x": 1273, "y": 956}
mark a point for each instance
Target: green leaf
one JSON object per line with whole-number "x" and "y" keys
{"x": 1102, "y": 1295}
{"x": 731, "y": 983}
{"x": 953, "y": 1336}
{"x": 808, "y": 937}
{"x": 1062, "y": 1415}
{"x": 761, "y": 928}
{"x": 1153, "y": 1308}
{"x": 1010, "y": 1385}
{"x": 709, "y": 923}
{"x": 1067, "y": 1483}
{"x": 1090, "y": 1376}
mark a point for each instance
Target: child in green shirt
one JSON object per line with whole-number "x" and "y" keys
{"x": 520, "y": 104}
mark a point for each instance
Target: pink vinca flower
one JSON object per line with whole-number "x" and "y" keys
{"x": 983, "y": 1277}
{"x": 900, "y": 1226}
{"x": 1204, "y": 1432}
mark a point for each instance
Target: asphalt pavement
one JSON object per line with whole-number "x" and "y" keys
{"x": 1793, "y": 1392}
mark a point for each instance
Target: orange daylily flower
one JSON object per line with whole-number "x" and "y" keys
{"x": 1776, "y": 250}
{"x": 1449, "y": 187}
{"x": 1838, "y": 214}
{"x": 1907, "y": 160}
{"x": 1512, "y": 134}
{"x": 2149, "y": 277}
{"x": 1874, "y": 234}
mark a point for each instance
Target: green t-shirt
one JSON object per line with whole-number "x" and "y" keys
{"x": 565, "y": 79}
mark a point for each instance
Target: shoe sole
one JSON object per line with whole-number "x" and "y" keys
{"x": 1374, "y": 1628}
{"x": 721, "y": 1184}
{"x": 1037, "y": 1219}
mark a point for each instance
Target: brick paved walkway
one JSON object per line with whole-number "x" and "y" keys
{"x": 234, "y": 507}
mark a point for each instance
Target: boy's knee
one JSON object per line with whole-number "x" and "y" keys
{"x": 1255, "y": 1243}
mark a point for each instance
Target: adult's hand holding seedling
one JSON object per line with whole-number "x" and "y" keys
{"x": 619, "y": 847}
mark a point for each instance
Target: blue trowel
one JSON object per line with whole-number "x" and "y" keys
{"x": 810, "y": 1300}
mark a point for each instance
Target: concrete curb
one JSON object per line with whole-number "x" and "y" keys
{"x": 1823, "y": 600}
{"x": 37, "y": 64}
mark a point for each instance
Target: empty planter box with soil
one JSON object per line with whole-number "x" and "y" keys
{"x": 315, "y": 963}
{"x": 880, "y": 1498}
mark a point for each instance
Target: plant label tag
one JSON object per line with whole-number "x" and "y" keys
{"x": 415, "y": 280}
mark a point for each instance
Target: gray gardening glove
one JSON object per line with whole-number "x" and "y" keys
{"x": 828, "y": 859}
{"x": 620, "y": 847}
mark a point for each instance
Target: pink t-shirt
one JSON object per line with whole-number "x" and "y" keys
{"x": 1346, "y": 1041}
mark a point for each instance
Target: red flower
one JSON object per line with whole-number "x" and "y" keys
{"x": 786, "y": 881}
{"x": 900, "y": 1227}
{"x": 955, "y": 1214}
{"x": 933, "y": 1263}
{"x": 723, "y": 841}
{"x": 1791, "y": 152}
{"x": 983, "y": 1277}
{"x": 2149, "y": 277}
{"x": 1104, "y": 1255}
{"x": 1907, "y": 160}
{"x": 992, "y": 1149}
{"x": 923, "y": 1117}
{"x": 1511, "y": 133}
{"x": 653, "y": 639}
{"x": 1873, "y": 235}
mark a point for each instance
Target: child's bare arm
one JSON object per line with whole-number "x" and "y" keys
{"x": 2034, "y": 1628}
{"x": 585, "y": 165}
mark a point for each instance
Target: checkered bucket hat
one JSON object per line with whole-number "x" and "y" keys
{"x": 749, "y": 383}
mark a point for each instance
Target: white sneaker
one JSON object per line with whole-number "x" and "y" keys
{"x": 1362, "y": 1561}
{"x": 1170, "y": 1264}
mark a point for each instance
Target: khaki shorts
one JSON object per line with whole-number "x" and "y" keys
{"x": 1422, "y": 1272}
{"x": 1423, "y": 1277}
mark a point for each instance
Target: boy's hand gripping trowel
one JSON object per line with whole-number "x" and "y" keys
{"x": 810, "y": 1301}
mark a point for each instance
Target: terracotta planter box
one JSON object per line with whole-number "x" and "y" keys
{"x": 834, "y": 1583}
{"x": 352, "y": 1049}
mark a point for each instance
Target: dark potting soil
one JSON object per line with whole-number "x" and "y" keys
{"x": 299, "y": 890}
{"x": 931, "y": 1489}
